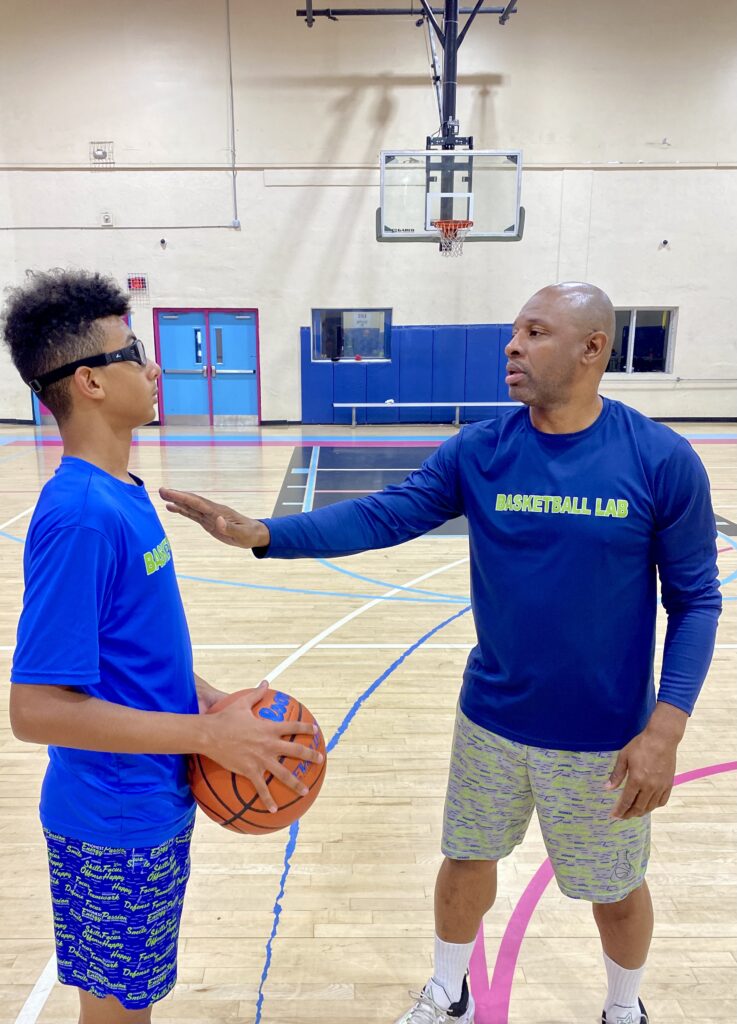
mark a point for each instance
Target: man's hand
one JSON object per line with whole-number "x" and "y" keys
{"x": 248, "y": 745}
{"x": 222, "y": 522}
{"x": 648, "y": 763}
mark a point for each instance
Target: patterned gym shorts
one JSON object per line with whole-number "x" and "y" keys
{"x": 495, "y": 784}
{"x": 116, "y": 916}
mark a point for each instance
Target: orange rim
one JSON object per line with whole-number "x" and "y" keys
{"x": 450, "y": 228}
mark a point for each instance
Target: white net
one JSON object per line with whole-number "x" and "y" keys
{"x": 452, "y": 233}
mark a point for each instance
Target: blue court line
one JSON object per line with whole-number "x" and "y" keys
{"x": 212, "y": 440}
{"x": 391, "y": 586}
{"x": 10, "y": 536}
{"x": 309, "y": 495}
{"x": 315, "y": 593}
{"x": 332, "y": 744}
{"x": 289, "y": 850}
{"x": 733, "y": 575}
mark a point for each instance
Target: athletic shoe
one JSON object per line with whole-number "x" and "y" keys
{"x": 433, "y": 1006}
{"x": 629, "y": 1019}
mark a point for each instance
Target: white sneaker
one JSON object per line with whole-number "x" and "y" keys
{"x": 433, "y": 1006}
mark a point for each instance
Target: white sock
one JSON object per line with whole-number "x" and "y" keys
{"x": 621, "y": 1005}
{"x": 451, "y": 964}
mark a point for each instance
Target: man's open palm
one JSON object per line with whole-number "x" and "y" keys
{"x": 225, "y": 524}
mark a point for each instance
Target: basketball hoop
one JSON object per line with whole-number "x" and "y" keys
{"x": 452, "y": 234}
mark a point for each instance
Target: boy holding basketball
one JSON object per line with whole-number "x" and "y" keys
{"x": 575, "y": 505}
{"x": 102, "y": 671}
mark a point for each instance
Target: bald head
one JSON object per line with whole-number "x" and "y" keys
{"x": 560, "y": 346}
{"x": 588, "y": 306}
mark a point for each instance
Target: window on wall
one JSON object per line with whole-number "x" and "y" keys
{"x": 643, "y": 341}
{"x": 351, "y": 334}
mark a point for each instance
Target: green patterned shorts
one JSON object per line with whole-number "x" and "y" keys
{"x": 495, "y": 784}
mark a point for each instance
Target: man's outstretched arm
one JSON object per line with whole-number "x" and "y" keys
{"x": 426, "y": 498}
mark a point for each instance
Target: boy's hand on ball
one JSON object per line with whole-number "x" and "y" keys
{"x": 222, "y": 522}
{"x": 248, "y": 745}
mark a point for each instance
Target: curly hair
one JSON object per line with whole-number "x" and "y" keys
{"x": 50, "y": 321}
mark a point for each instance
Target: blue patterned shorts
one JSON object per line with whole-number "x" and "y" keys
{"x": 116, "y": 916}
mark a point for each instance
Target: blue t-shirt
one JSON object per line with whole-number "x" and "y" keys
{"x": 567, "y": 535}
{"x": 102, "y": 613}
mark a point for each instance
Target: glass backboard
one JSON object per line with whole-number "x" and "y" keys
{"x": 422, "y": 186}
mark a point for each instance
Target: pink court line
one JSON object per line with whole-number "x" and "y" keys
{"x": 262, "y": 443}
{"x": 492, "y": 1001}
{"x": 57, "y": 443}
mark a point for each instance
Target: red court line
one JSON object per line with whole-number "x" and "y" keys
{"x": 492, "y": 1001}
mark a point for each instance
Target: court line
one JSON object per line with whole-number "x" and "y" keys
{"x": 326, "y": 593}
{"x": 10, "y": 458}
{"x": 492, "y": 1001}
{"x": 381, "y": 583}
{"x": 308, "y": 646}
{"x": 19, "y": 516}
{"x": 333, "y": 442}
{"x": 350, "y": 647}
{"x": 733, "y": 575}
{"x": 40, "y": 992}
{"x": 309, "y": 495}
{"x": 294, "y": 829}
{"x": 332, "y": 743}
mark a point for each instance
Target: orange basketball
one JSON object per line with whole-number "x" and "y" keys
{"x": 232, "y": 800}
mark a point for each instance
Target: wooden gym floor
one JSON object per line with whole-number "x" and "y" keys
{"x": 334, "y": 923}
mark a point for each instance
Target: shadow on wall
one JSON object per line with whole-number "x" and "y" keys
{"x": 330, "y": 250}
{"x": 482, "y": 121}
{"x": 374, "y": 101}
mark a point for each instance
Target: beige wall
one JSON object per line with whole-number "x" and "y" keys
{"x": 588, "y": 90}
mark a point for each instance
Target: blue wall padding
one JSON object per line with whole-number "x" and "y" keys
{"x": 448, "y": 370}
{"x": 349, "y": 385}
{"x": 382, "y": 382}
{"x": 482, "y": 370}
{"x": 317, "y": 384}
{"x": 502, "y": 391}
{"x": 415, "y": 346}
{"x": 432, "y": 364}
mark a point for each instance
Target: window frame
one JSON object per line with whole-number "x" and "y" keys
{"x": 629, "y": 372}
{"x": 316, "y": 318}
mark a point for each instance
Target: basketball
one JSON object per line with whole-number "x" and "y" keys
{"x": 232, "y": 801}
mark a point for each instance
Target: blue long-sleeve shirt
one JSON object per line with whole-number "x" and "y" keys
{"x": 567, "y": 533}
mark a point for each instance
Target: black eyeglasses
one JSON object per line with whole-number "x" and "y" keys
{"x": 133, "y": 353}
